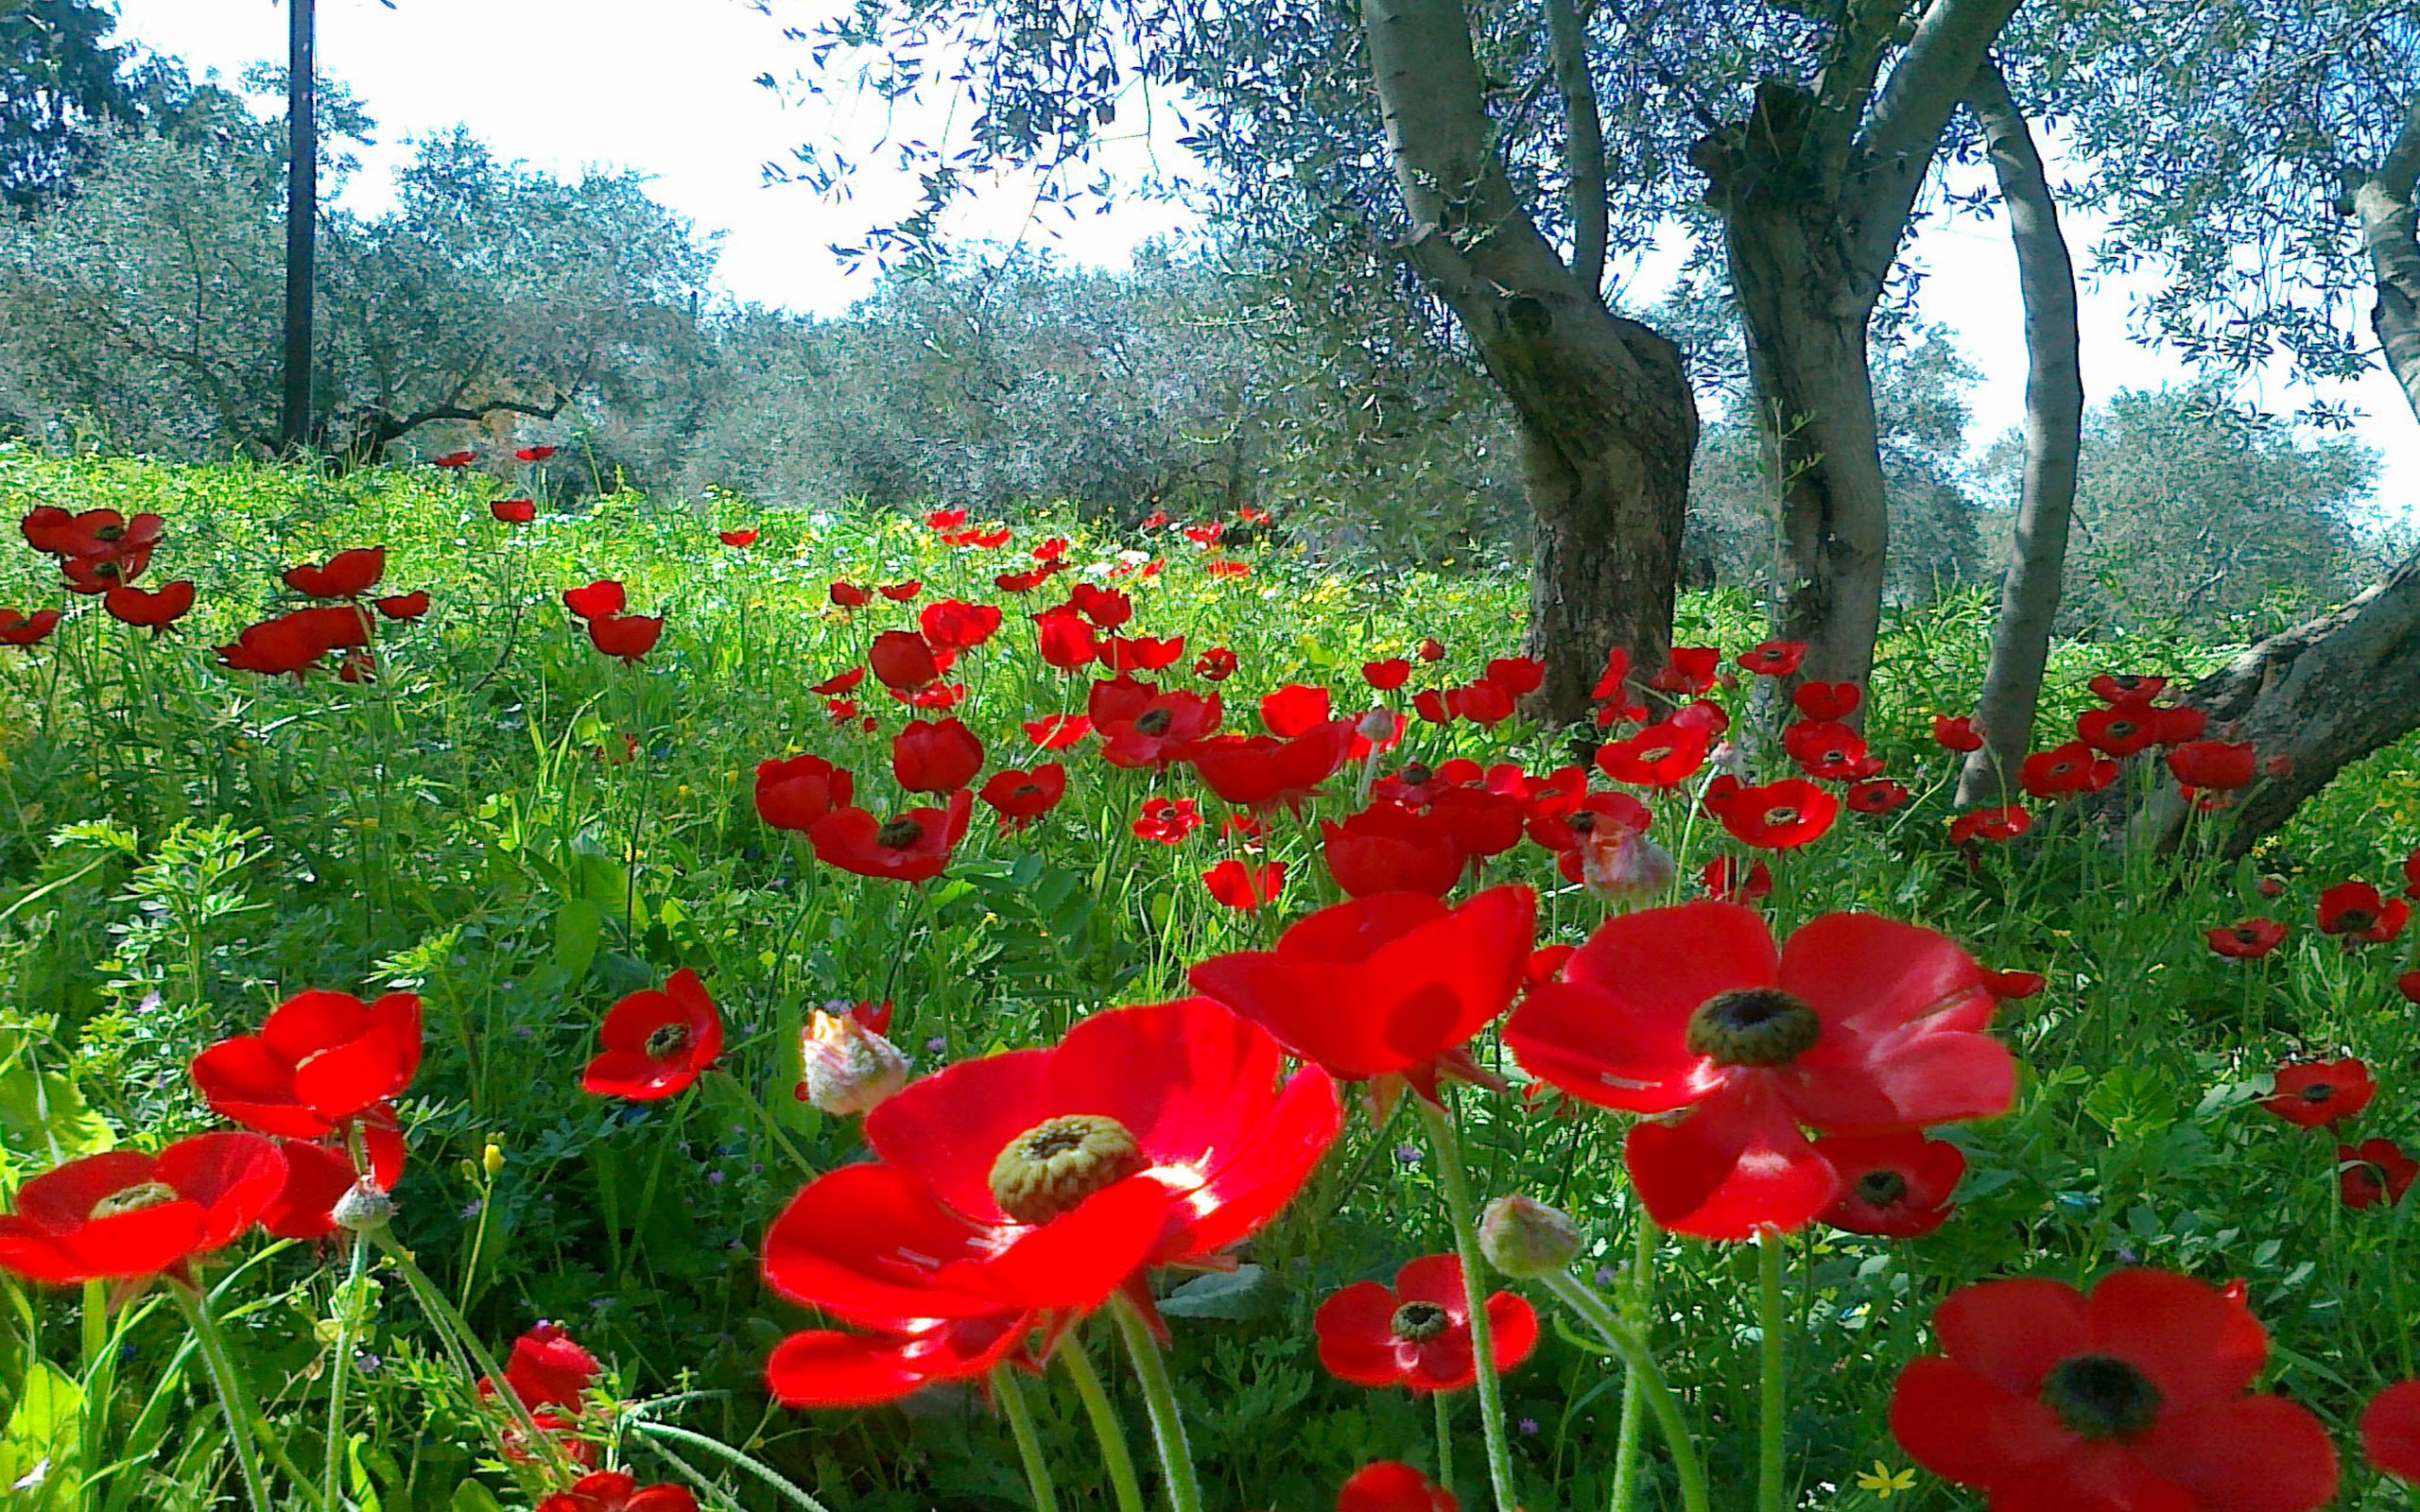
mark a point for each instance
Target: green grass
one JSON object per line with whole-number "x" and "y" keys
{"x": 182, "y": 847}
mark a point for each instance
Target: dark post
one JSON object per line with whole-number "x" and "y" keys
{"x": 302, "y": 218}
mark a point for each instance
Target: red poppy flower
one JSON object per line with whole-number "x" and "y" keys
{"x": 1390, "y": 1486}
{"x": 1046, "y": 1180}
{"x": 1779, "y": 816}
{"x": 1141, "y": 726}
{"x": 2014, "y": 987}
{"x": 957, "y": 626}
{"x": 1295, "y": 709}
{"x": 1105, "y": 607}
{"x": 2377, "y": 1172}
{"x": 612, "y": 1491}
{"x": 741, "y": 539}
{"x": 127, "y": 1214}
{"x": 1022, "y": 798}
{"x": 793, "y": 794}
{"x": 1065, "y": 639}
{"x": 347, "y": 574}
{"x": 1483, "y": 703}
{"x": 1559, "y": 822}
{"x": 1025, "y": 582}
{"x": 944, "y": 519}
{"x": 2390, "y": 1431}
{"x": 1894, "y": 1186}
{"x": 1956, "y": 734}
{"x": 1825, "y": 747}
{"x": 1390, "y": 986}
{"x": 939, "y": 756}
{"x": 1690, "y": 670}
{"x": 1260, "y": 771}
{"x": 2065, "y": 771}
{"x": 1387, "y": 676}
{"x": 1727, "y": 880}
{"x": 17, "y": 627}
{"x": 401, "y": 606}
{"x": 2004, "y": 823}
{"x": 2134, "y": 1400}
{"x": 597, "y": 600}
{"x": 914, "y": 847}
{"x": 547, "y": 1368}
{"x": 2125, "y": 687}
{"x": 1774, "y": 659}
{"x": 1417, "y": 1334}
{"x": 1245, "y": 887}
{"x": 1141, "y": 653}
{"x": 940, "y": 698}
{"x": 1823, "y": 701}
{"x": 316, "y": 1178}
{"x": 1858, "y": 1026}
{"x": 2358, "y": 911}
{"x": 1879, "y": 795}
{"x": 840, "y": 682}
{"x": 2120, "y": 730}
{"x": 320, "y": 1060}
{"x": 295, "y": 642}
{"x": 1058, "y": 731}
{"x": 2213, "y": 764}
{"x": 2249, "y": 940}
{"x": 452, "y": 460}
{"x": 1391, "y": 848}
{"x": 2321, "y": 1095}
{"x": 1665, "y": 754}
{"x": 1167, "y": 821}
{"x": 828, "y": 1369}
{"x": 655, "y": 1043}
{"x": 626, "y": 636}
{"x": 903, "y": 659}
{"x": 515, "y": 511}
{"x": 1432, "y": 649}
{"x": 847, "y": 595}
{"x": 152, "y": 609}
{"x": 2180, "y": 725}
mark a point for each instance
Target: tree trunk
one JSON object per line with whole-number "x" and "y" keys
{"x": 1608, "y": 421}
{"x": 302, "y": 219}
{"x": 2053, "y": 437}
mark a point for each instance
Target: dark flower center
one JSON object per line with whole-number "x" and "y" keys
{"x": 1418, "y": 1322}
{"x": 1782, "y": 814}
{"x": 1882, "y": 1189}
{"x": 105, "y": 568}
{"x": 2247, "y": 936}
{"x": 2319, "y": 1092}
{"x": 134, "y": 1200}
{"x": 667, "y": 1041}
{"x": 2100, "y": 1398}
{"x": 2357, "y": 918}
{"x": 2121, "y": 729}
{"x": 110, "y": 533}
{"x": 1754, "y": 1026}
{"x": 1154, "y": 721}
{"x": 899, "y": 834}
{"x": 1027, "y": 790}
{"x": 1052, "y": 1167}
{"x": 1418, "y": 775}
{"x": 1581, "y": 822}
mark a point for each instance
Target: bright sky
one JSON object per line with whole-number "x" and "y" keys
{"x": 666, "y": 88}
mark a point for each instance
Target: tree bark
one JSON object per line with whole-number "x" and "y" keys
{"x": 302, "y": 218}
{"x": 2053, "y": 438}
{"x": 1608, "y": 421}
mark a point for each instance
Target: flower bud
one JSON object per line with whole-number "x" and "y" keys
{"x": 849, "y": 1068}
{"x": 364, "y": 1208}
{"x": 492, "y": 1158}
{"x": 1619, "y": 865}
{"x": 1377, "y": 724}
{"x": 1525, "y": 1239}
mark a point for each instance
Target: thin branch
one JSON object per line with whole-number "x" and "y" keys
{"x": 1925, "y": 86}
{"x": 1583, "y": 141}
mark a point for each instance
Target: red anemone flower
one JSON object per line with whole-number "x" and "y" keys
{"x": 2065, "y": 771}
{"x": 1141, "y": 653}
{"x": 17, "y": 627}
{"x": 2321, "y": 1093}
{"x": 821, "y": 1368}
{"x": 1167, "y": 821}
{"x": 612, "y": 1491}
{"x": 655, "y": 1043}
{"x": 1877, "y": 795}
{"x": 1827, "y": 701}
{"x": 793, "y": 794}
{"x": 1956, "y": 734}
{"x": 944, "y": 519}
{"x": 1260, "y": 771}
{"x": 1022, "y": 798}
{"x": 1858, "y": 1025}
{"x": 2134, "y": 1399}
{"x": 152, "y": 609}
{"x": 453, "y": 461}
{"x": 547, "y": 1368}
{"x": 957, "y": 626}
{"x": 1105, "y": 607}
{"x": 347, "y": 574}
{"x": 1826, "y": 749}
{"x": 1690, "y": 670}
{"x": 1058, "y": 731}
{"x": 2180, "y": 725}
{"x": 320, "y": 1060}
{"x": 1727, "y": 879}
{"x": 1432, "y": 649}
{"x": 1390, "y": 986}
{"x": 1047, "y": 1180}
{"x": 2377, "y": 1171}
{"x": 1140, "y": 726}
{"x": 2126, "y": 687}
{"x": 2357, "y": 911}
{"x": 1391, "y": 1485}
{"x": 316, "y": 1178}
{"x": 741, "y": 539}
{"x": 1417, "y": 1334}
{"x": 2249, "y": 940}
{"x": 1295, "y": 709}
{"x": 533, "y": 454}
{"x": 598, "y": 599}
{"x": 1242, "y": 886}
{"x": 2390, "y": 1431}
{"x": 2004, "y": 823}
{"x": 626, "y": 636}
{"x": 1774, "y": 659}
{"x": 838, "y": 682}
{"x": 1662, "y": 755}
{"x": 847, "y": 595}
{"x": 401, "y": 606}
{"x": 903, "y": 659}
{"x": 913, "y": 847}
{"x": 1779, "y": 816}
{"x": 939, "y": 756}
{"x": 1893, "y": 1186}
{"x": 1387, "y": 676}
{"x": 2120, "y": 730}
{"x": 1065, "y": 639}
{"x": 1389, "y": 849}
{"x": 127, "y": 1214}
{"x": 2213, "y": 765}
{"x": 1217, "y": 664}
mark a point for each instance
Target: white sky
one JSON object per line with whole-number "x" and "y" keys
{"x": 663, "y": 87}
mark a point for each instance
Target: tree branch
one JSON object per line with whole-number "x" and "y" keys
{"x": 1926, "y": 84}
{"x": 1583, "y": 141}
{"x": 2391, "y": 235}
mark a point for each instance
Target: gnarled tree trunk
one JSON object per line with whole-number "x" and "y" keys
{"x": 1608, "y": 421}
{"x": 2046, "y": 277}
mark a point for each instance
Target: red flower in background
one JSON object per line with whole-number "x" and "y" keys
{"x": 534, "y": 453}
{"x": 1893, "y": 1186}
{"x": 1295, "y": 709}
{"x": 847, "y": 595}
{"x": 1214, "y": 665}
{"x": 626, "y": 636}
{"x": 1390, "y": 986}
{"x": 17, "y": 627}
{"x": 612, "y": 1491}
{"x": 1391, "y": 1485}
{"x": 2066, "y": 770}
{"x": 346, "y": 574}
{"x": 1065, "y": 639}
{"x": 1779, "y": 816}
{"x": 2213, "y": 764}
{"x": 2181, "y": 725}
{"x": 2411, "y": 875}
{"x": 127, "y": 1214}
{"x": 840, "y": 682}
{"x": 1389, "y": 849}
{"x": 295, "y": 642}
{"x": 2390, "y": 1431}
{"x": 1432, "y": 649}
{"x": 954, "y": 624}
{"x": 399, "y": 606}
{"x": 598, "y": 599}
{"x": 793, "y": 794}
{"x": 2005, "y": 823}
{"x": 1021, "y": 797}
{"x": 2133, "y": 1398}
{"x": 2122, "y": 731}
{"x": 2377, "y": 1171}
{"x": 2125, "y": 687}
{"x": 453, "y": 461}
{"x": 1956, "y": 734}
{"x": 1877, "y": 795}
{"x": 1858, "y": 1025}
{"x": 1727, "y": 880}
{"x": 2321, "y": 1095}
{"x": 937, "y": 757}
{"x": 547, "y": 1368}
{"x": 1774, "y": 659}
{"x": 1167, "y": 821}
{"x": 2249, "y": 940}
{"x": 1260, "y": 771}
{"x": 2360, "y": 911}
{"x": 1417, "y": 1334}
{"x": 1662, "y": 755}
{"x": 320, "y": 1060}
{"x": 152, "y": 609}
{"x": 739, "y": 539}
{"x": 914, "y": 847}
{"x": 1141, "y": 653}
{"x": 655, "y": 1043}
{"x": 903, "y": 661}
{"x": 1827, "y": 700}
{"x": 944, "y": 519}
{"x": 1141, "y": 726}
{"x": 1242, "y": 886}
{"x": 1690, "y": 670}
{"x": 1059, "y": 732}
{"x": 1387, "y": 676}
{"x": 1827, "y": 748}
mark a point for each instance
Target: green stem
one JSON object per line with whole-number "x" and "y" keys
{"x": 1772, "y": 1495}
{"x": 242, "y": 1420}
{"x": 795, "y": 1493}
{"x": 452, "y": 1323}
{"x": 1656, "y": 1392}
{"x": 1011, "y": 1393}
{"x": 1636, "y": 1289}
{"x": 1445, "y": 1403}
{"x": 348, "y": 1304}
{"x": 1444, "y": 1138}
{"x": 1115, "y": 1456}
{"x": 1159, "y": 1396}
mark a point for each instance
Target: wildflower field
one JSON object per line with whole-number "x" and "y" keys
{"x": 663, "y": 1005}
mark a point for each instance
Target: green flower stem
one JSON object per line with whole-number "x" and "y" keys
{"x": 1115, "y": 1456}
{"x": 452, "y": 1323}
{"x": 796, "y": 1495}
{"x": 242, "y": 1419}
{"x": 1650, "y": 1388}
{"x": 1011, "y": 1393}
{"x": 1772, "y": 1389}
{"x": 1638, "y": 1286}
{"x": 1463, "y": 1213}
{"x": 339, "y": 1370}
{"x": 1159, "y": 1396}
{"x": 1445, "y": 1402}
